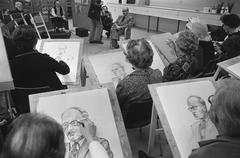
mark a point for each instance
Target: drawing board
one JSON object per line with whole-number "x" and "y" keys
{"x": 107, "y": 67}
{"x": 6, "y": 81}
{"x": 157, "y": 61}
{"x": 38, "y": 45}
{"x": 232, "y": 66}
{"x": 99, "y": 105}
{"x": 181, "y": 107}
{"x": 161, "y": 42}
{"x": 68, "y": 50}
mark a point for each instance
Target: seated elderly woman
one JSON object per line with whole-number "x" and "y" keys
{"x": 225, "y": 115}
{"x": 39, "y": 136}
{"x": 133, "y": 88}
{"x": 31, "y": 69}
{"x": 206, "y": 50}
{"x": 185, "y": 46}
{"x": 231, "y": 45}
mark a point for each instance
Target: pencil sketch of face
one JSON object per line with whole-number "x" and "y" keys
{"x": 197, "y": 106}
{"x": 118, "y": 71}
{"x": 63, "y": 55}
{"x": 72, "y": 120}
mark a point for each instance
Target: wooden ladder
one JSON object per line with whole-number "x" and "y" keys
{"x": 42, "y": 24}
{"x": 16, "y": 20}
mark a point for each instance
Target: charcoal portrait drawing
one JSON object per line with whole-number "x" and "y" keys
{"x": 203, "y": 128}
{"x": 77, "y": 146}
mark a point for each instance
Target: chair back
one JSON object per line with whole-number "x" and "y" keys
{"x": 20, "y": 97}
{"x": 138, "y": 114}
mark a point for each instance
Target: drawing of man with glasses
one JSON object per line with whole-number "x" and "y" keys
{"x": 77, "y": 147}
{"x": 203, "y": 128}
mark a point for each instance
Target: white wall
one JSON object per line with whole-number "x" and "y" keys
{"x": 168, "y": 25}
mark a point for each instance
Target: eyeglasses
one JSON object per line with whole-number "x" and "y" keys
{"x": 74, "y": 123}
{"x": 210, "y": 99}
{"x": 192, "y": 108}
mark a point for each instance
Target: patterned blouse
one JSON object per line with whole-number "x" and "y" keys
{"x": 133, "y": 88}
{"x": 180, "y": 69}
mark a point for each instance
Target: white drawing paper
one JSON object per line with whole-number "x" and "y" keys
{"x": 97, "y": 106}
{"x": 182, "y": 117}
{"x": 235, "y": 68}
{"x": 5, "y": 73}
{"x": 161, "y": 41}
{"x": 69, "y": 52}
{"x": 109, "y": 66}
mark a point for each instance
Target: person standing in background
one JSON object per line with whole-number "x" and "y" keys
{"x": 94, "y": 14}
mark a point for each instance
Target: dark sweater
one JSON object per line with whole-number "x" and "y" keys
{"x": 222, "y": 147}
{"x": 231, "y": 46}
{"x": 133, "y": 88}
{"x": 35, "y": 69}
{"x": 95, "y": 10}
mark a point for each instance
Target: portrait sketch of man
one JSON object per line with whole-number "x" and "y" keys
{"x": 63, "y": 55}
{"x": 203, "y": 128}
{"x": 118, "y": 72}
{"x": 77, "y": 147}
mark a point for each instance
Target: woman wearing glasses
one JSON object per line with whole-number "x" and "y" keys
{"x": 185, "y": 46}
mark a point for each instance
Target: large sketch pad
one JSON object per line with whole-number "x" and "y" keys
{"x": 6, "y": 81}
{"x": 70, "y": 51}
{"x": 96, "y": 102}
{"x": 102, "y": 65}
{"x": 160, "y": 41}
{"x": 171, "y": 103}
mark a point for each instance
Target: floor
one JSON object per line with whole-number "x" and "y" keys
{"x": 138, "y": 140}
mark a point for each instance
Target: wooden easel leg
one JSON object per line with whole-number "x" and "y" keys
{"x": 216, "y": 73}
{"x": 152, "y": 132}
{"x": 83, "y": 75}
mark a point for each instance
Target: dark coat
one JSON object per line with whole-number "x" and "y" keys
{"x": 231, "y": 46}
{"x": 35, "y": 69}
{"x": 222, "y": 147}
{"x": 94, "y": 11}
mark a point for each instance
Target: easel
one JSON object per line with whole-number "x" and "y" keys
{"x": 126, "y": 150}
{"x": 224, "y": 65}
{"x": 158, "y": 110}
{"x": 6, "y": 80}
{"x": 66, "y": 81}
{"x": 87, "y": 70}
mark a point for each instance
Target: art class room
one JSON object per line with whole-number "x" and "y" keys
{"x": 120, "y": 79}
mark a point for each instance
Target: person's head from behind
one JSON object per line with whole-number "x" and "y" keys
{"x": 230, "y": 22}
{"x": 56, "y": 3}
{"x": 197, "y": 106}
{"x": 125, "y": 11}
{"x": 34, "y": 136}
{"x": 187, "y": 43}
{"x": 200, "y": 30}
{"x": 25, "y": 38}
{"x": 19, "y": 6}
{"x": 72, "y": 120}
{"x": 139, "y": 53}
{"x": 225, "y": 108}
